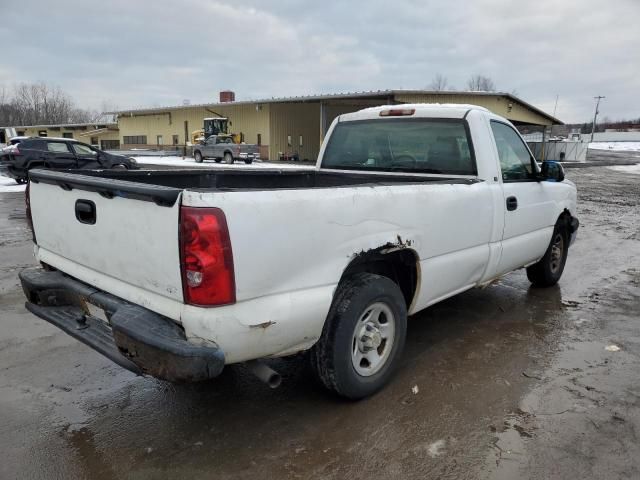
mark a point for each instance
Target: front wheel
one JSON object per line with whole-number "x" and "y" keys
{"x": 548, "y": 270}
{"x": 197, "y": 157}
{"x": 228, "y": 158}
{"x": 363, "y": 337}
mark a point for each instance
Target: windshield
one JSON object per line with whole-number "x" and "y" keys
{"x": 404, "y": 145}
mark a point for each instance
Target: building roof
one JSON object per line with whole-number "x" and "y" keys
{"x": 63, "y": 125}
{"x": 375, "y": 94}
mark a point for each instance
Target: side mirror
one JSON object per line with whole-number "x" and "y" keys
{"x": 552, "y": 171}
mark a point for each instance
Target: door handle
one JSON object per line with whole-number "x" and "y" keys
{"x": 512, "y": 203}
{"x": 86, "y": 211}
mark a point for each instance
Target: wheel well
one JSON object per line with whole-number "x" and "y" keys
{"x": 401, "y": 266}
{"x": 565, "y": 220}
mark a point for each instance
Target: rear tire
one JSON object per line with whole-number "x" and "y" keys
{"x": 120, "y": 166}
{"x": 228, "y": 158}
{"x": 363, "y": 337}
{"x": 248, "y": 161}
{"x": 548, "y": 270}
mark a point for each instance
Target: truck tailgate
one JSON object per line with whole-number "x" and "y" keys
{"x": 109, "y": 229}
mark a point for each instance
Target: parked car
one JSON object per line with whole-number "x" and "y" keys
{"x": 221, "y": 147}
{"x": 408, "y": 205}
{"x": 26, "y": 153}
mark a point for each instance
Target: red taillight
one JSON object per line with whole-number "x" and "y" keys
{"x": 397, "y": 112}
{"x": 206, "y": 257}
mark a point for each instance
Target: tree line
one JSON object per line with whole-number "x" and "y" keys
{"x": 475, "y": 83}
{"x": 39, "y": 104}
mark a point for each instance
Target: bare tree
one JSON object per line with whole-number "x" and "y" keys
{"x": 39, "y": 104}
{"x": 480, "y": 83}
{"x": 439, "y": 83}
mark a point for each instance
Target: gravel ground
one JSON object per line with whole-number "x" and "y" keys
{"x": 505, "y": 382}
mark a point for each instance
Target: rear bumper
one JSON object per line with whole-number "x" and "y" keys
{"x": 135, "y": 338}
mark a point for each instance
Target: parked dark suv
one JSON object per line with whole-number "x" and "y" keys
{"x": 46, "y": 152}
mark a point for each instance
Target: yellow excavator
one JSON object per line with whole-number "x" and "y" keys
{"x": 215, "y": 126}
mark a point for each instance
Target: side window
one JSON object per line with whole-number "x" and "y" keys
{"x": 515, "y": 159}
{"x": 58, "y": 147}
{"x": 83, "y": 149}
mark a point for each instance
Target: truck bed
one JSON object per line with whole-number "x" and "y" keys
{"x": 164, "y": 186}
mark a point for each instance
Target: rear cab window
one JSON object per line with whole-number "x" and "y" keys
{"x": 415, "y": 145}
{"x": 516, "y": 162}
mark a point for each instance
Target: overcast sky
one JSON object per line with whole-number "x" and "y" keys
{"x": 150, "y": 53}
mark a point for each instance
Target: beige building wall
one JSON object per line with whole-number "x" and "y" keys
{"x": 295, "y": 121}
{"x": 514, "y": 111}
{"x": 248, "y": 119}
{"x": 76, "y": 133}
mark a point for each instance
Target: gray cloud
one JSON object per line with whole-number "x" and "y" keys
{"x": 135, "y": 53}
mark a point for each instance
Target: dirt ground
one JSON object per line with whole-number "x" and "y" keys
{"x": 509, "y": 382}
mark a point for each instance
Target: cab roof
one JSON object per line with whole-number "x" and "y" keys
{"x": 421, "y": 110}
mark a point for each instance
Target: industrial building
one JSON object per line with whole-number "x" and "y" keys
{"x": 281, "y": 126}
{"x": 102, "y": 132}
{"x": 296, "y": 125}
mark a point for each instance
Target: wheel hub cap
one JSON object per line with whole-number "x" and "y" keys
{"x": 370, "y": 337}
{"x": 373, "y": 339}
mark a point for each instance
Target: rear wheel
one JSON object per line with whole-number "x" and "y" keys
{"x": 248, "y": 161}
{"x": 197, "y": 157}
{"x": 228, "y": 158}
{"x": 548, "y": 270}
{"x": 363, "y": 336}
{"x": 120, "y": 166}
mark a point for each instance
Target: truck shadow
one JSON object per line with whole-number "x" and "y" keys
{"x": 476, "y": 352}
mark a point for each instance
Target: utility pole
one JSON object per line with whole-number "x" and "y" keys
{"x": 595, "y": 115}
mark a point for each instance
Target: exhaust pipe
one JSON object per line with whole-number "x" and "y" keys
{"x": 265, "y": 373}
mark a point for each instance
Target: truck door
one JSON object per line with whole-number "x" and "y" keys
{"x": 59, "y": 155}
{"x": 526, "y": 204}
{"x": 86, "y": 156}
{"x": 208, "y": 149}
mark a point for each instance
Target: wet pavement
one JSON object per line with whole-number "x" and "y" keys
{"x": 504, "y": 382}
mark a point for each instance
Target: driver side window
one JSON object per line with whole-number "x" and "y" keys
{"x": 83, "y": 149}
{"x": 515, "y": 159}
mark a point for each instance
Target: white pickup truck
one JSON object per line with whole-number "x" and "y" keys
{"x": 175, "y": 274}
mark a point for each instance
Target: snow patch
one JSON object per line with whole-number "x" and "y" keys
{"x": 616, "y": 146}
{"x": 191, "y": 163}
{"x": 9, "y": 185}
{"x": 627, "y": 168}
{"x": 436, "y": 448}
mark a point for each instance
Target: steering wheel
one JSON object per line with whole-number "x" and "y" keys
{"x": 403, "y": 161}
